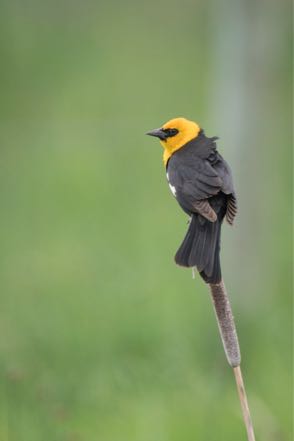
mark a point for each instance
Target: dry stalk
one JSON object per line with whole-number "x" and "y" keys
{"x": 230, "y": 341}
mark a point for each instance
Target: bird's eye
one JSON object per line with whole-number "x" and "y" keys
{"x": 170, "y": 132}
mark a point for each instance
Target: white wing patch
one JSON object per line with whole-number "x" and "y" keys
{"x": 172, "y": 188}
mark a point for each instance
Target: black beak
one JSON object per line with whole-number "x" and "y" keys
{"x": 158, "y": 133}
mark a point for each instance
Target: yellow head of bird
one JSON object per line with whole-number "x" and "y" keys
{"x": 175, "y": 134}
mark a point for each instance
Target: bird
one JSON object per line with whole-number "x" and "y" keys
{"x": 201, "y": 181}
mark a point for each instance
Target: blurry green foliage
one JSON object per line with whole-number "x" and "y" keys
{"x": 102, "y": 337}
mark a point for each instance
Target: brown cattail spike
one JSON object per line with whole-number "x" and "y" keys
{"x": 226, "y": 323}
{"x": 230, "y": 341}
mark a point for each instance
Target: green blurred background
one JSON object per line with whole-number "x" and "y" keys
{"x": 102, "y": 337}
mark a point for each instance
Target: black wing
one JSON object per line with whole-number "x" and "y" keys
{"x": 196, "y": 179}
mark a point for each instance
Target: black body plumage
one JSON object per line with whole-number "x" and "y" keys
{"x": 201, "y": 181}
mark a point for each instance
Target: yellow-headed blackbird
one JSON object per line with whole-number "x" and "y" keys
{"x": 201, "y": 181}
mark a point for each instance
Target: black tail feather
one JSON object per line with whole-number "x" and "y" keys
{"x": 201, "y": 248}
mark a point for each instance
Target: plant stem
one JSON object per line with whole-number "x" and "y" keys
{"x": 227, "y": 328}
{"x": 244, "y": 403}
